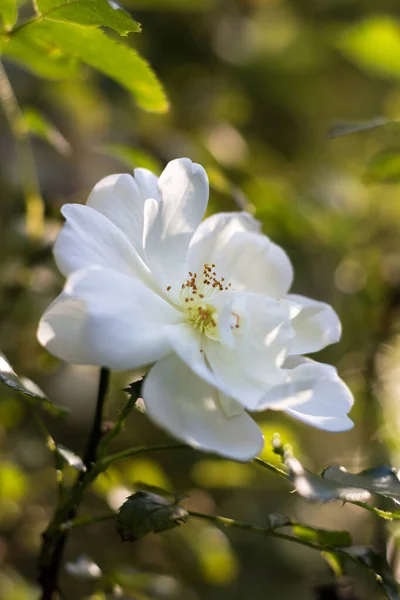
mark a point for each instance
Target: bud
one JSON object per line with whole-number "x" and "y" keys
{"x": 145, "y": 512}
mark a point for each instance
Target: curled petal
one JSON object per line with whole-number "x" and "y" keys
{"x": 190, "y": 409}
{"x": 107, "y": 319}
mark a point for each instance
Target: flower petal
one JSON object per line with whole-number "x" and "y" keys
{"x": 262, "y": 336}
{"x": 316, "y": 326}
{"x": 89, "y": 239}
{"x": 169, "y": 224}
{"x": 190, "y": 409}
{"x": 246, "y": 259}
{"x": 108, "y": 319}
{"x": 323, "y": 399}
{"x": 119, "y": 198}
{"x": 147, "y": 183}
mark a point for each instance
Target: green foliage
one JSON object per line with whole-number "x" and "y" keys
{"x": 323, "y": 537}
{"x": 88, "y": 12}
{"x": 39, "y": 125}
{"x": 384, "y": 167}
{"x": 8, "y": 14}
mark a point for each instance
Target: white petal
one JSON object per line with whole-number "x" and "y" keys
{"x": 190, "y": 409}
{"x": 247, "y": 260}
{"x": 89, "y": 239}
{"x": 323, "y": 399}
{"x": 224, "y": 226}
{"x": 118, "y": 198}
{"x": 252, "y": 365}
{"x": 316, "y": 326}
{"x": 108, "y": 319}
{"x": 170, "y": 224}
{"x": 147, "y": 183}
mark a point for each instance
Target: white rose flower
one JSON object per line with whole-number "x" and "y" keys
{"x": 205, "y": 305}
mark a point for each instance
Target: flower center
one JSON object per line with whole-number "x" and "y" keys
{"x": 196, "y": 291}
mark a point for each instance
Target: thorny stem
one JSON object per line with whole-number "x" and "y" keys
{"x": 15, "y": 117}
{"x": 54, "y": 539}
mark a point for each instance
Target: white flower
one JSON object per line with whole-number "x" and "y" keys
{"x": 205, "y": 304}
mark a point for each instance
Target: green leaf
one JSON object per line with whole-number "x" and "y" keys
{"x": 94, "y": 48}
{"x": 178, "y": 5}
{"x": 378, "y": 566}
{"x": 378, "y": 480}
{"x": 42, "y": 58}
{"x": 88, "y": 12}
{"x": 131, "y": 157}
{"x": 342, "y": 128}
{"x": 324, "y": 537}
{"x": 373, "y": 45}
{"x": 8, "y": 14}
{"x": 384, "y": 167}
{"x": 40, "y": 126}
{"x": 26, "y": 387}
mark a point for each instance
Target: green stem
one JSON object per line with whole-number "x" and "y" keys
{"x": 107, "y": 439}
{"x": 33, "y": 199}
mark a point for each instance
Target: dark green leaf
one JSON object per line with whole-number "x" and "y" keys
{"x": 27, "y": 387}
{"x": 40, "y": 126}
{"x": 88, "y": 12}
{"x": 342, "y": 128}
{"x": 379, "y": 480}
{"x": 72, "y": 459}
{"x": 94, "y": 48}
{"x": 376, "y": 564}
{"x": 384, "y": 167}
{"x": 8, "y": 14}
{"x": 34, "y": 54}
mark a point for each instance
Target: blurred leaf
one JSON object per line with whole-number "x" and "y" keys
{"x": 72, "y": 459}
{"x": 88, "y": 12}
{"x": 13, "y": 482}
{"x": 83, "y": 568}
{"x": 131, "y": 157}
{"x": 324, "y": 537}
{"x": 384, "y": 167}
{"x": 27, "y": 387}
{"x": 38, "y": 56}
{"x": 377, "y": 564}
{"x": 222, "y": 473}
{"x": 378, "y": 480}
{"x": 8, "y": 13}
{"x": 147, "y": 471}
{"x": 180, "y": 5}
{"x": 373, "y": 44}
{"x": 96, "y": 49}
{"x": 342, "y": 128}
{"x": 39, "y": 125}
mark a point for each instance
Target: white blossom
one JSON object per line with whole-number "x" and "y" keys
{"x": 204, "y": 304}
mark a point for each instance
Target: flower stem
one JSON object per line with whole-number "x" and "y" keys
{"x": 33, "y": 199}
{"x": 54, "y": 538}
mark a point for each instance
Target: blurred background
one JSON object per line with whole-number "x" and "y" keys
{"x": 261, "y": 92}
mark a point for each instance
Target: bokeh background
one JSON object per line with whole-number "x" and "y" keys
{"x": 259, "y": 92}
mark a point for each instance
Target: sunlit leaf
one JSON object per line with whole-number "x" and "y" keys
{"x": 342, "y": 128}
{"x": 378, "y": 480}
{"x": 384, "y": 167}
{"x": 8, "y": 14}
{"x": 324, "y": 537}
{"x": 88, "y": 12}
{"x": 112, "y": 58}
{"x": 27, "y": 387}
{"x": 34, "y": 54}
{"x": 72, "y": 459}
{"x": 40, "y": 126}
{"x": 373, "y": 44}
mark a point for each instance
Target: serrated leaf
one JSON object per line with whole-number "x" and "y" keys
{"x": 40, "y": 126}
{"x": 25, "y": 386}
{"x": 114, "y": 59}
{"x": 323, "y": 537}
{"x": 384, "y": 167}
{"x": 316, "y": 489}
{"x": 88, "y": 12}
{"x": 373, "y": 44}
{"x": 376, "y": 563}
{"x": 342, "y": 128}
{"x": 72, "y": 459}
{"x": 378, "y": 480}
{"x": 131, "y": 157}
{"x": 38, "y": 56}
{"x": 8, "y": 14}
